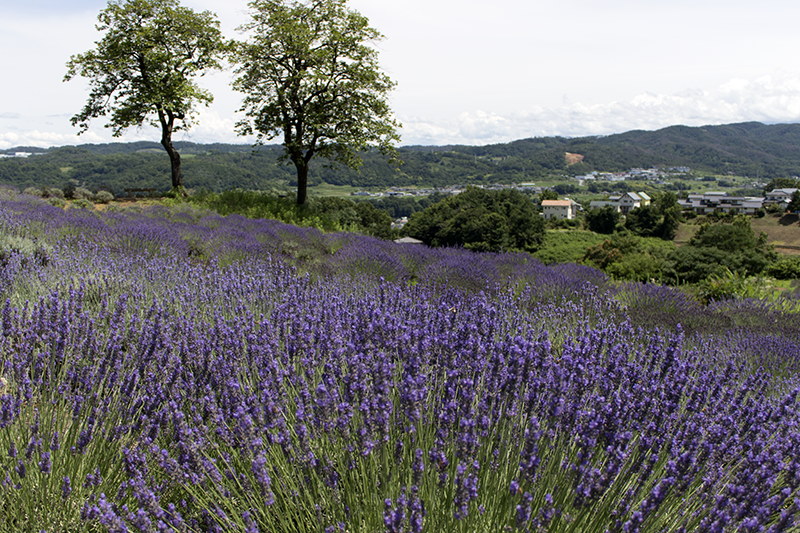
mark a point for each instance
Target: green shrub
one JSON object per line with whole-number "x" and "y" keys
{"x": 787, "y": 268}
{"x": 57, "y": 202}
{"x": 177, "y": 193}
{"x": 636, "y": 267}
{"x": 729, "y": 285}
{"x": 52, "y": 192}
{"x": 103, "y": 197}
{"x": 11, "y": 245}
{"x": 34, "y": 191}
{"x": 566, "y": 246}
{"x": 81, "y": 193}
{"x": 602, "y": 220}
{"x": 8, "y": 192}
{"x": 82, "y": 203}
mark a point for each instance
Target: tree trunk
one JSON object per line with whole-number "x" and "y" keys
{"x": 301, "y": 165}
{"x": 175, "y": 161}
{"x": 167, "y": 119}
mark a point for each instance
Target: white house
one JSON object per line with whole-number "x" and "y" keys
{"x": 780, "y": 196}
{"x": 632, "y": 200}
{"x": 711, "y": 201}
{"x": 559, "y": 209}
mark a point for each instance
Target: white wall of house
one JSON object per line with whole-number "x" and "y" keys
{"x": 562, "y": 209}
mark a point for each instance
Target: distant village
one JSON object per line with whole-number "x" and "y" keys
{"x": 705, "y": 203}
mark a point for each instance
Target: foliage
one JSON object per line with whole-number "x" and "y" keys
{"x": 33, "y": 191}
{"x": 145, "y": 64}
{"x": 81, "y": 193}
{"x": 727, "y": 285}
{"x": 328, "y": 214}
{"x": 82, "y": 203}
{"x": 103, "y": 197}
{"x": 52, "y": 192}
{"x": 794, "y": 203}
{"x": 480, "y": 220}
{"x": 548, "y": 194}
{"x": 660, "y": 219}
{"x": 643, "y": 221}
{"x": 310, "y": 77}
{"x": 400, "y": 206}
{"x": 57, "y": 202}
{"x": 717, "y": 247}
{"x": 566, "y": 246}
{"x": 602, "y": 219}
{"x": 625, "y": 256}
{"x": 730, "y": 237}
{"x": 24, "y": 249}
{"x": 785, "y": 268}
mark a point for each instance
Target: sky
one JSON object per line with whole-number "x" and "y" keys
{"x": 472, "y": 72}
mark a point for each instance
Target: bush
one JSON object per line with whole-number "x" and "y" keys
{"x": 34, "y": 191}
{"x": 636, "y": 267}
{"x": 788, "y": 268}
{"x": 52, "y": 192}
{"x": 602, "y": 220}
{"x": 82, "y": 203}
{"x": 566, "y": 246}
{"x": 103, "y": 197}
{"x": 728, "y": 285}
{"x": 30, "y": 250}
{"x": 81, "y": 193}
{"x": 57, "y": 202}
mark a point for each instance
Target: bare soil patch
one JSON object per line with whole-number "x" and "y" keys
{"x": 573, "y": 158}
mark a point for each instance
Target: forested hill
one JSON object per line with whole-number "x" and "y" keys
{"x": 751, "y": 149}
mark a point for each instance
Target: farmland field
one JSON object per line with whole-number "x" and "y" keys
{"x": 169, "y": 369}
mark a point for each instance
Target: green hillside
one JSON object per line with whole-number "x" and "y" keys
{"x": 747, "y": 149}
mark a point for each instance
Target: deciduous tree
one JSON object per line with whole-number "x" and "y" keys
{"x": 602, "y": 220}
{"x": 480, "y": 220}
{"x": 310, "y": 77}
{"x": 794, "y": 203}
{"x": 143, "y": 69}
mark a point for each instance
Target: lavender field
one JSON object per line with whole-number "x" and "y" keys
{"x": 168, "y": 369}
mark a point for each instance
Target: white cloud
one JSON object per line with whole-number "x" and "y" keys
{"x": 768, "y": 99}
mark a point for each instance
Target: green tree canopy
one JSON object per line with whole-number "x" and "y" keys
{"x": 643, "y": 221}
{"x": 794, "y": 203}
{"x": 717, "y": 247}
{"x": 311, "y": 77}
{"x": 480, "y": 220}
{"x": 735, "y": 237}
{"x": 661, "y": 219}
{"x": 143, "y": 68}
{"x": 602, "y": 220}
{"x": 548, "y": 194}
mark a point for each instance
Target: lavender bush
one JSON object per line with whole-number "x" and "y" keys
{"x": 171, "y": 370}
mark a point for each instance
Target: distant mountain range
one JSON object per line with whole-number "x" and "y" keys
{"x": 747, "y": 149}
